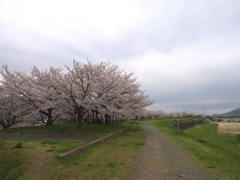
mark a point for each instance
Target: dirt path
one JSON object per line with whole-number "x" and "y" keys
{"x": 160, "y": 159}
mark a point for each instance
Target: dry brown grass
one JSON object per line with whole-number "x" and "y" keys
{"x": 38, "y": 160}
{"x": 230, "y": 128}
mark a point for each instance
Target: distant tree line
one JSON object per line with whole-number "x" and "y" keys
{"x": 160, "y": 114}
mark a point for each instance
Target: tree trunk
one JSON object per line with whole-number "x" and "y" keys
{"x": 97, "y": 119}
{"x": 49, "y": 116}
{"x": 79, "y": 118}
{"x": 9, "y": 123}
{"x": 107, "y": 119}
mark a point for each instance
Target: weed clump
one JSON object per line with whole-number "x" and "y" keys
{"x": 201, "y": 140}
{"x": 18, "y": 145}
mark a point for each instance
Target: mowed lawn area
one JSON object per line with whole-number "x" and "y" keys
{"x": 218, "y": 151}
{"x": 36, "y": 159}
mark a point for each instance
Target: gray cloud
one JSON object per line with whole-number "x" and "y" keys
{"x": 185, "y": 53}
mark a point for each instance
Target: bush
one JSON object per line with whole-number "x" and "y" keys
{"x": 19, "y": 145}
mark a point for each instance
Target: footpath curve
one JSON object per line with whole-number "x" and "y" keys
{"x": 160, "y": 159}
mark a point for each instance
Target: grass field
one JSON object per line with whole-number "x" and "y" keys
{"x": 218, "y": 152}
{"x": 36, "y": 159}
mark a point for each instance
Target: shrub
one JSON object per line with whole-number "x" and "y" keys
{"x": 19, "y": 145}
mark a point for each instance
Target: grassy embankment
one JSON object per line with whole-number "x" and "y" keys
{"x": 36, "y": 159}
{"x": 219, "y": 152}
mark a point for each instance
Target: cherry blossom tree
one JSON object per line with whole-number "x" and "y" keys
{"x": 12, "y": 108}
{"x": 33, "y": 92}
{"x": 101, "y": 91}
{"x": 48, "y": 99}
{"x": 107, "y": 91}
{"x": 117, "y": 94}
{"x": 78, "y": 87}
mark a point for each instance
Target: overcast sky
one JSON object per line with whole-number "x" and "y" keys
{"x": 185, "y": 53}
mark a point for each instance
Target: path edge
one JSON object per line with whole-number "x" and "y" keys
{"x": 86, "y": 146}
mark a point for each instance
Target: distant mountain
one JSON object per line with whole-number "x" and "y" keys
{"x": 235, "y": 112}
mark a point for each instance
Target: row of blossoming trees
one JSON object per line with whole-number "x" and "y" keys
{"x": 86, "y": 92}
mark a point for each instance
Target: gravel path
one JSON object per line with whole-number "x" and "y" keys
{"x": 160, "y": 159}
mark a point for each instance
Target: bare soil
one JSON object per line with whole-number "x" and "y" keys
{"x": 161, "y": 159}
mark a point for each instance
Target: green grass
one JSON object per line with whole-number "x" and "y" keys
{"x": 10, "y": 161}
{"x": 17, "y": 156}
{"x": 68, "y": 129}
{"x": 110, "y": 160}
{"x": 217, "y": 152}
{"x": 36, "y": 159}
